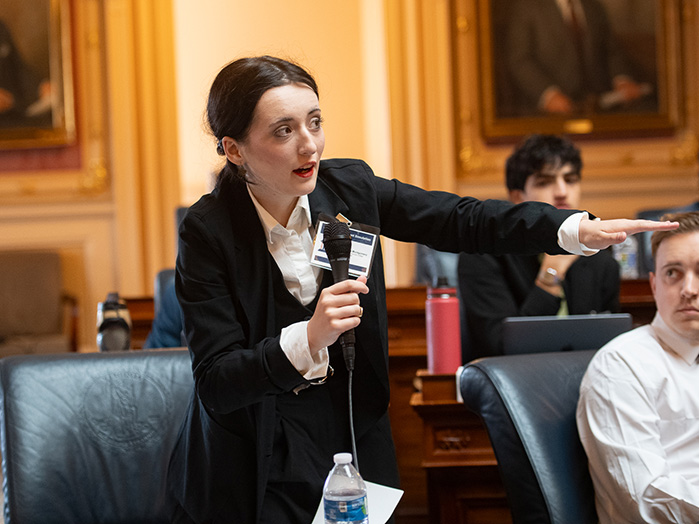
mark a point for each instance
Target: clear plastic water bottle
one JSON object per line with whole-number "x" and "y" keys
{"x": 626, "y": 254}
{"x": 344, "y": 493}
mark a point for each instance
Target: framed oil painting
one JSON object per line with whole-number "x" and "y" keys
{"x": 36, "y": 89}
{"x": 581, "y": 67}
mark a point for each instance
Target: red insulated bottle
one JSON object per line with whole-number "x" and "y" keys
{"x": 443, "y": 329}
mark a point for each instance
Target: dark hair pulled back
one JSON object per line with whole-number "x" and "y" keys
{"x": 235, "y": 92}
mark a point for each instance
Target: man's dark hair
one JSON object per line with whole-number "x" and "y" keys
{"x": 537, "y": 152}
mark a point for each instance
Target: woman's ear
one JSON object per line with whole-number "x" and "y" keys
{"x": 232, "y": 151}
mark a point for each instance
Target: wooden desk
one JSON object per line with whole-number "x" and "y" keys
{"x": 407, "y": 353}
{"x": 636, "y": 297}
{"x": 447, "y": 466}
{"x": 141, "y": 311}
{"x": 462, "y": 476}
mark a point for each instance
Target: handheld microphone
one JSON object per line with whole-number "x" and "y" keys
{"x": 338, "y": 246}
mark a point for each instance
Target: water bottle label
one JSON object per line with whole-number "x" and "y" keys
{"x": 354, "y": 510}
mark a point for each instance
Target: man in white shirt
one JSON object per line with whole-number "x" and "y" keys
{"x": 638, "y": 413}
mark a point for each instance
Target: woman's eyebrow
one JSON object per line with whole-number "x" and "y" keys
{"x": 285, "y": 119}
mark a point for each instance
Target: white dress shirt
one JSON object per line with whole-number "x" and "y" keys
{"x": 292, "y": 246}
{"x": 638, "y": 419}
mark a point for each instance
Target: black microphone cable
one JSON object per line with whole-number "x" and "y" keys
{"x": 337, "y": 241}
{"x": 351, "y": 420}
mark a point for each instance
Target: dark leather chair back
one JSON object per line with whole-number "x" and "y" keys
{"x": 86, "y": 438}
{"x": 528, "y": 404}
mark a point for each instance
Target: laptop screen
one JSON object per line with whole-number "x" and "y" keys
{"x": 571, "y": 333}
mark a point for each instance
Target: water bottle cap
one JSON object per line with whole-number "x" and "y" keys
{"x": 342, "y": 458}
{"x": 441, "y": 289}
{"x": 442, "y": 281}
{"x": 441, "y": 292}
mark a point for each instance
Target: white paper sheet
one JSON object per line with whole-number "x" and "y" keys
{"x": 381, "y": 500}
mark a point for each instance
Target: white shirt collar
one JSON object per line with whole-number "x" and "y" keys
{"x": 672, "y": 340}
{"x": 299, "y": 220}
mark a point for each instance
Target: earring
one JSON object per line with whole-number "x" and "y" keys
{"x": 245, "y": 174}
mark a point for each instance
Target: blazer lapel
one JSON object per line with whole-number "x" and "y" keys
{"x": 325, "y": 200}
{"x": 252, "y": 264}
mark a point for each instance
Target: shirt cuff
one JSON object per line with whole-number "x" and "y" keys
{"x": 294, "y": 344}
{"x": 568, "y": 235}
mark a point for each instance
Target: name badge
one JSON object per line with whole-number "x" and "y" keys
{"x": 364, "y": 242}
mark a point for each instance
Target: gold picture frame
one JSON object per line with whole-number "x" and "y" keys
{"x": 516, "y": 61}
{"x": 36, "y": 78}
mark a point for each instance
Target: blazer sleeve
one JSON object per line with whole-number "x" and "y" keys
{"x": 235, "y": 363}
{"x": 443, "y": 221}
{"x": 447, "y": 222}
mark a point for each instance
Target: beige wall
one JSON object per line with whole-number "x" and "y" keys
{"x": 341, "y": 43}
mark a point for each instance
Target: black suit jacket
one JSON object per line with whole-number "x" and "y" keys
{"x": 495, "y": 287}
{"x": 220, "y": 466}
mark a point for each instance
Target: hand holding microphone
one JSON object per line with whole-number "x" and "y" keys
{"x": 338, "y": 310}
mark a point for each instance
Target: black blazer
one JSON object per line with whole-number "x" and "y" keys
{"x": 220, "y": 466}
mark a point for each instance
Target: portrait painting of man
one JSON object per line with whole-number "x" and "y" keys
{"x": 34, "y": 78}
{"x": 574, "y": 58}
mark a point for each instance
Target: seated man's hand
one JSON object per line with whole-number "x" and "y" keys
{"x": 561, "y": 263}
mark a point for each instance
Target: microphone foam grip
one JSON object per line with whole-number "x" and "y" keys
{"x": 337, "y": 240}
{"x": 338, "y": 247}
